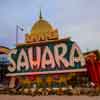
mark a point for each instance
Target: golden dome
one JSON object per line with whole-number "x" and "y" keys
{"x": 41, "y": 26}
{"x": 41, "y": 31}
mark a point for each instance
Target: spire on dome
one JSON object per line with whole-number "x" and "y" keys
{"x": 40, "y": 16}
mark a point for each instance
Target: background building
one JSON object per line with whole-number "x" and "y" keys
{"x": 4, "y": 62}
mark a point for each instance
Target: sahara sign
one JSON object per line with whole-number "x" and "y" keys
{"x": 47, "y": 57}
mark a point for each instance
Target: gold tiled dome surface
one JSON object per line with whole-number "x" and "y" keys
{"x": 41, "y": 26}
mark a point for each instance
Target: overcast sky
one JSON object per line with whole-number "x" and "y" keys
{"x": 79, "y": 19}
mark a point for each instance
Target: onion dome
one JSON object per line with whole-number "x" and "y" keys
{"x": 41, "y": 31}
{"x": 41, "y": 26}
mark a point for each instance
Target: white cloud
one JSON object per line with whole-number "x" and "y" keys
{"x": 86, "y": 35}
{"x": 79, "y": 19}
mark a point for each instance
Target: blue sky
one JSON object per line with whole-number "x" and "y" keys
{"x": 79, "y": 19}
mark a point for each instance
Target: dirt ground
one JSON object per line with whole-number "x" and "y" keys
{"x": 9, "y": 97}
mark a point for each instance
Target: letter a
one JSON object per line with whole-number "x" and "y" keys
{"x": 20, "y": 63}
{"x": 45, "y": 61}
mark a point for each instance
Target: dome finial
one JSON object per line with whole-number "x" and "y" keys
{"x": 40, "y": 16}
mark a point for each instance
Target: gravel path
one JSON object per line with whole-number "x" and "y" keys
{"x": 9, "y": 97}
